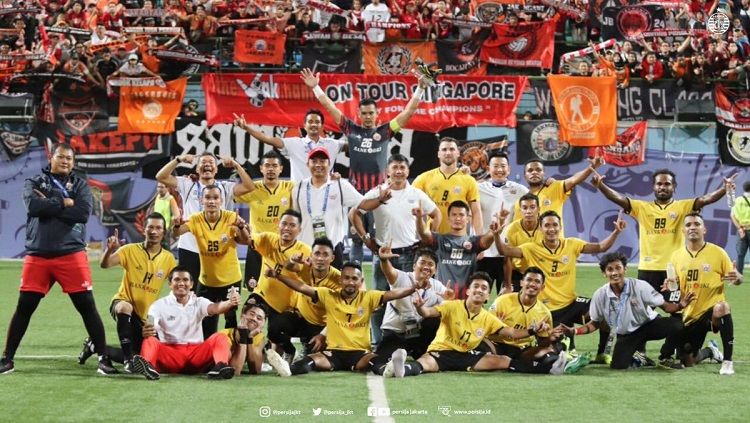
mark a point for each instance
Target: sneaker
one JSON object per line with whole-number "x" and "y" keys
{"x": 105, "y": 366}
{"x": 577, "y": 364}
{"x": 670, "y": 364}
{"x": 602, "y": 359}
{"x": 727, "y": 368}
{"x": 278, "y": 363}
{"x": 6, "y": 366}
{"x": 571, "y": 355}
{"x": 398, "y": 358}
{"x": 86, "y": 352}
{"x": 128, "y": 367}
{"x": 716, "y": 354}
{"x": 221, "y": 371}
{"x": 266, "y": 368}
{"x": 558, "y": 367}
{"x": 143, "y": 367}
{"x": 641, "y": 360}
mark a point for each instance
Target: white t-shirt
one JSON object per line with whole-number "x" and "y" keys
{"x": 321, "y": 17}
{"x": 392, "y": 319}
{"x": 296, "y": 149}
{"x": 191, "y": 203}
{"x": 394, "y": 221}
{"x": 179, "y": 324}
{"x": 325, "y": 203}
{"x": 373, "y": 13}
{"x": 490, "y": 200}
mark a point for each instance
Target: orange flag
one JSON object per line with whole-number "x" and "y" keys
{"x": 259, "y": 47}
{"x": 396, "y": 58}
{"x": 586, "y": 109}
{"x": 151, "y": 110}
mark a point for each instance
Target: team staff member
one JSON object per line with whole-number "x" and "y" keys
{"x": 267, "y": 199}
{"x": 217, "y": 232}
{"x": 741, "y": 220}
{"x": 58, "y": 205}
{"x": 520, "y": 232}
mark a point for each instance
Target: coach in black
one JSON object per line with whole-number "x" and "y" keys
{"x": 58, "y": 205}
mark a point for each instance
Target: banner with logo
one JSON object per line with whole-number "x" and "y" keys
{"x": 540, "y": 140}
{"x": 734, "y": 145}
{"x": 462, "y": 57}
{"x": 108, "y": 196}
{"x": 525, "y": 45}
{"x": 396, "y": 58}
{"x": 490, "y": 10}
{"x": 333, "y": 56}
{"x": 259, "y": 47}
{"x": 628, "y": 150}
{"x": 587, "y": 109}
{"x": 283, "y": 99}
{"x": 151, "y": 110}
{"x": 80, "y": 112}
{"x": 629, "y": 22}
{"x": 733, "y": 108}
{"x": 133, "y": 220}
{"x": 476, "y": 154}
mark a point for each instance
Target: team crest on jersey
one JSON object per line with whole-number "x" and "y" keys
{"x": 224, "y": 238}
{"x": 565, "y": 259}
{"x": 479, "y": 332}
{"x": 284, "y": 201}
{"x": 547, "y": 202}
{"x": 160, "y": 274}
{"x": 456, "y": 190}
{"x": 672, "y": 215}
{"x": 513, "y": 191}
{"x": 467, "y": 245}
{"x": 706, "y": 267}
{"x": 376, "y": 136}
{"x": 360, "y": 311}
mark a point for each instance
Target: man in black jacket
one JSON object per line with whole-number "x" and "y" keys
{"x": 58, "y": 205}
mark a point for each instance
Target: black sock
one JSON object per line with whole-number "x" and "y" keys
{"x": 115, "y": 354}
{"x": 572, "y": 343}
{"x": 413, "y": 369}
{"x": 86, "y": 306}
{"x": 523, "y": 366}
{"x": 378, "y": 369}
{"x": 603, "y": 339}
{"x": 125, "y": 334}
{"x": 27, "y": 304}
{"x": 303, "y": 365}
{"x": 726, "y": 330}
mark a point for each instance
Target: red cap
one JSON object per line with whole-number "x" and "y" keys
{"x": 318, "y": 150}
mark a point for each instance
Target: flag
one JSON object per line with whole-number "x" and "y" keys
{"x": 151, "y": 110}
{"x": 629, "y": 149}
{"x": 133, "y": 220}
{"x": 476, "y": 154}
{"x": 629, "y": 22}
{"x": 461, "y": 57}
{"x": 540, "y": 140}
{"x": 108, "y": 196}
{"x": 80, "y": 112}
{"x": 586, "y": 108}
{"x": 259, "y": 47}
{"x": 333, "y": 57}
{"x": 732, "y": 108}
{"x": 396, "y": 58}
{"x": 525, "y": 45}
{"x": 734, "y": 145}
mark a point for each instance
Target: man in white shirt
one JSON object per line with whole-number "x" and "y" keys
{"x": 376, "y": 12}
{"x": 180, "y": 348}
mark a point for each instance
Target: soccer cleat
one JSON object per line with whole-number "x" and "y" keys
{"x": 278, "y": 363}
{"x": 221, "y": 371}
{"x": 128, "y": 367}
{"x": 6, "y": 366}
{"x": 105, "y": 366}
{"x": 143, "y": 367}
{"x": 558, "y": 367}
{"x": 86, "y": 352}
{"x": 727, "y": 368}
{"x": 388, "y": 370}
{"x": 577, "y": 364}
{"x": 716, "y": 354}
{"x": 603, "y": 359}
{"x": 571, "y": 355}
{"x": 398, "y": 358}
{"x": 641, "y": 360}
{"x": 670, "y": 364}
{"x": 265, "y": 368}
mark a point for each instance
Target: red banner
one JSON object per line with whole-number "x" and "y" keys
{"x": 283, "y": 99}
{"x": 586, "y": 108}
{"x": 526, "y": 45}
{"x": 732, "y": 108}
{"x": 259, "y": 47}
{"x": 628, "y": 150}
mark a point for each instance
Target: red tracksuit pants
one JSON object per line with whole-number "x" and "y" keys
{"x": 186, "y": 358}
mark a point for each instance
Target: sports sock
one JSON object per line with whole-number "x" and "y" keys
{"x": 726, "y": 330}
{"x": 303, "y": 365}
{"x": 86, "y": 306}
{"x": 125, "y": 334}
{"x": 703, "y": 354}
{"x": 378, "y": 369}
{"x": 413, "y": 369}
{"x": 523, "y": 366}
{"x": 27, "y": 304}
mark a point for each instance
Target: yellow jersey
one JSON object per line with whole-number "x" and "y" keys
{"x": 559, "y": 266}
{"x": 509, "y": 310}
{"x": 266, "y": 205}
{"x": 348, "y": 321}
{"x": 274, "y": 292}
{"x": 551, "y": 197}
{"x": 461, "y": 332}
{"x": 217, "y": 248}
{"x": 144, "y": 276}
{"x": 315, "y": 313}
{"x": 444, "y": 190}
{"x": 259, "y": 339}
{"x": 515, "y": 235}
{"x": 659, "y": 230}
{"x": 701, "y": 273}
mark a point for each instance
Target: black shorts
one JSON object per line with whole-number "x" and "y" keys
{"x": 344, "y": 360}
{"x": 694, "y": 334}
{"x": 511, "y": 351}
{"x": 574, "y": 313}
{"x": 457, "y": 361}
{"x": 112, "y": 313}
{"x": 215, "y": 293}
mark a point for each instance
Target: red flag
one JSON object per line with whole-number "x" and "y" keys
{"x": 259, "y": 47}
{"x": 732, "y": 109}
{"x": 628, "y": 150}
{"x": 151, "y": 110}
{"x": 524, "y": 45}
{"x": 586, "y": 108}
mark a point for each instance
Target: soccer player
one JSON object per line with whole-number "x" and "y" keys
{"x": 247, "y": 342}
{"x": 626, "y": 306}
{"x": 702, "y": 269}
{"x": 217, "y": 232}
{"x": 520, "y": 232}
{"x": 447, "y": 184}
{"x": 58, "y": 205}
{"x": 347, "y": 320}
{"x": 267, "y": 199}
{"x": 180, "y": 347}
{"x": 146, "y": 266}
{"x": 741, "y": 220}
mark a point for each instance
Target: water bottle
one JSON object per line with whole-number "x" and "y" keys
{"x": 672, "y": 278}
{"x": 730, "y": 197}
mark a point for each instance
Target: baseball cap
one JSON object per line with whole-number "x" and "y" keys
{"x": 318, "y": 150}
{"x": 133, "y": 57}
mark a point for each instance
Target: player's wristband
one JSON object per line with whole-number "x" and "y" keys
{"x": 318, "y": 91}
{"x": 245, "y": 336}
{"x": 579, "y": 330}
{"x": 418, "y": 92}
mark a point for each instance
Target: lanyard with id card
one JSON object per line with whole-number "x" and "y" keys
{"x": 318, "y": 220}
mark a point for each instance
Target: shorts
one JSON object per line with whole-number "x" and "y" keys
{"x": 216, "y": 293}
{"x": 71, "y": 271}
{"x": 114, "y": 315}
{"x": 136, "y": 327}
{"x": 511, "y": 351}
{"x": 344, "y": 360}
{"x": 694, "y": 334}
{"x": 574, "y": 313}
{"x": 456, "y": 361}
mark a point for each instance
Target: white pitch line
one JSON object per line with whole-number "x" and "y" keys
{"x": 378, "y": 399}
{"x": 44, "y": 357}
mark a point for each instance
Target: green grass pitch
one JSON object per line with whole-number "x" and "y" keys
{"x": 49, "y": 385}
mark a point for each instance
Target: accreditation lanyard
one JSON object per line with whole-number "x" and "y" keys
{"x": 621, "y": 305}
{"x": 65, "y": 192}
{"x": 325, "y": 199}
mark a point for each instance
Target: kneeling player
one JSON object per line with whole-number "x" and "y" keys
{"x": 247, "y": 343}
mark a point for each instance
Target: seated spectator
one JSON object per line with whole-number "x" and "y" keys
{"x": 651, "y": 69}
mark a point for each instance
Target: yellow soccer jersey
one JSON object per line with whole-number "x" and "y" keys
{"x": 348, "y": 322}
{"x": 551, "y": 197}
{"x": 701, "y": 273}
{"x": 217, "y": 248}
{"x": 275, "y": 293}
{"x": 267, "y": 205}
{"x": 314, "y": 313}
{"x": 144, "y": 276}
{"x": 259, "y": 339}
{"x": 512, "y": 313}
{"x": 459, "y": 331}
{"x": 659, "y": 230}
{"x": 444, "y": 190}
{"x": 515, "y": 235}
{"x": 559, "y": 267}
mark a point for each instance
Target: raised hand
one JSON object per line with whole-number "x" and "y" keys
{"x": 227, "y": 161}
{"x": 449, "y": 293}
{"x": 240, "y": 121}
{"x": 234, "y": 296}
{"x": 620, "y": 223}
{"x": 309, "y": 78}
{"x": 417, "y": 300}
{"x": 597, "y": 179}
{"x": 729, "y": 182}
{"x": 418, "y": 212}
{"x": 114, "y": 242}
{"x": 386, "y": 253}
{"x": 297, "y": 258}
{"x": 384, "y": 194}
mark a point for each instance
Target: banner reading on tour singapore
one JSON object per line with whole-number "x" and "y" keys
{"x": 284, "y": 99}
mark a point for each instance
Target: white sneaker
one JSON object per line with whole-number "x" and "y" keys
{"x": 715, "y": 351}
{"x": 278, "y": 363}
{"x": 398, "y": 358}
{"x": 558, "y": 367}
{"x": 727, "y": 368}
{"x": 265, "y": 368}
{"x": 388, "y": 370}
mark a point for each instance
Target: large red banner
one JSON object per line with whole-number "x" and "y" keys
{"x": 526, "y": 45}
{"x": 283, "y": 99}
